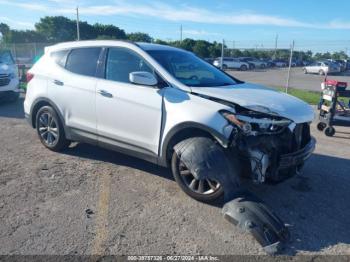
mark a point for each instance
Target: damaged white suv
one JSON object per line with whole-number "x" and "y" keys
{"x": 144, "y": 99}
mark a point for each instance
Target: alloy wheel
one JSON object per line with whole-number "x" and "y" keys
{"x": 203, "y": 186}
{"x": 48, "y": 128}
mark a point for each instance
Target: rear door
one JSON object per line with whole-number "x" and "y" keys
{"x": 72, "y": 88}
{"x": 128, "y": 115}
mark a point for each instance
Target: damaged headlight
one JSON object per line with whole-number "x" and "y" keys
{"x": 254, "y": 123}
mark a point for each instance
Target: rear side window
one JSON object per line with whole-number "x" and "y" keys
{"x": 121, "y": 62}
{"x": 60, "y": 57}
{"x": 83, "y": 61}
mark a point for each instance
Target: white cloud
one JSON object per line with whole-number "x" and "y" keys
{"x": 182, "y": 13}
{"x": 17, "y": 23}
{"x": 199, "y": 32}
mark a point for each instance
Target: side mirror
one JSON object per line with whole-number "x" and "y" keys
{"x": 143, "y": 78}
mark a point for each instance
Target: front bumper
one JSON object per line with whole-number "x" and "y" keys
{"x": 297, "y": 158}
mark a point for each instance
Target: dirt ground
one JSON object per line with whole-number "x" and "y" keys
{"x": 88, "y": 200}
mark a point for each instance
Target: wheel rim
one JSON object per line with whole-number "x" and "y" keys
{"x": 48, "y": 129}
{"x": 203, "y": 186}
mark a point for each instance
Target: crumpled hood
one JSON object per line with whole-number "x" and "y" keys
{"x": 261, "y": 99}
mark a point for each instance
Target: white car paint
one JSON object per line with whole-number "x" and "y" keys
{"x": 142, "y": 116}
{"x": 230, "y": 63}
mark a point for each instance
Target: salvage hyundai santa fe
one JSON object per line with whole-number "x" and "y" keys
{"x": 145, "y": 99}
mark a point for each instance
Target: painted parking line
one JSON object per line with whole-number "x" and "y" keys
{"x": 102, "y": 215}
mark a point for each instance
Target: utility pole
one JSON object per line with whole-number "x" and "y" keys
{"x": 180, "y": 33}
{"x": 290, "y": 65}
{"x": 222, "y": 54}
{"x": 78, "y": 30}
{"x": 276, "y": 40}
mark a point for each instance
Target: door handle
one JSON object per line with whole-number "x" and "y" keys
{"x": 105, "y": 93}
{"x": 57, "y": 82}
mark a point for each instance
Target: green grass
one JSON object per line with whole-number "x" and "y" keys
{"x": 310, "y": 97}
{"x": 23, "y": 86}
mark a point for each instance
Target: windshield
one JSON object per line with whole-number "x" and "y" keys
{"x": 5, "y": 57}
{"x": 190, "y": 70}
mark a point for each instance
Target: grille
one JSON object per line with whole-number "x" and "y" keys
{"x": 301, "y": 136}
{"x": 4, "y": 80}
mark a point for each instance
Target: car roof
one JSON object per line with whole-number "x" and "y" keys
{"x": 94, "y": 43}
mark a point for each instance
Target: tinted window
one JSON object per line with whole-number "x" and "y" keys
{"x": 121, "y": 62}
{"x": 60, "y": 57}
{"x": 83, "y": 61}
{"x": 190, "y": 70}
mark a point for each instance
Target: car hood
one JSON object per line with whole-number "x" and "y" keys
{"x": 5, "y": 69}
{"x": 261, "y": 99}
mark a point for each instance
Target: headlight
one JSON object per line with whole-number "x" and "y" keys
{"x": 254, "y": 123}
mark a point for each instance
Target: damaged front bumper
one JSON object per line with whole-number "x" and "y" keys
{"x": 297, "y": 158}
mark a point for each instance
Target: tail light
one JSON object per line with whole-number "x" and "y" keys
{"x": 29, "y": 76}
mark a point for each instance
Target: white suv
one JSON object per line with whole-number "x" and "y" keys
{"x": 9, "y": 81}
{"x": 144, "y": 99}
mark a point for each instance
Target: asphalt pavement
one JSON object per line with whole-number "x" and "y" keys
{"x": 88, "y": 200}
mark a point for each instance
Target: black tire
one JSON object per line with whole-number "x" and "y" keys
{"x": 263, "y": 66}
{"x": 50, "y": 129}
{"x": 321, "y": 126}
{"x": 224, "y": 67}
{"x": 305, "y": 71}
{"x": 329, "y": 131}
{"x": 243, "y": 68}
{"x": 207, "y": 198}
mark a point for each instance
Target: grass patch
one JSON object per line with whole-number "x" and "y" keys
{"x": 310, "y": 97}
{"x": 23, "y": 86}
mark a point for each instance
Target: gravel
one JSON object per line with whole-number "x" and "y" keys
{"x": 88, "y": 200}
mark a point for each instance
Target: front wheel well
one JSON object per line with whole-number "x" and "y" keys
{"x": 182, "y": 135}
{"x": 35, "y": 110}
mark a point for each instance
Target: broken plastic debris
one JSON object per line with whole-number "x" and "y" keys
{"x": 252, "y": 215}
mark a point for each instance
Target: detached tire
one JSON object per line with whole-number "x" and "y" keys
{"x": 211, "y": 190}
{"x": 50, "y": 129}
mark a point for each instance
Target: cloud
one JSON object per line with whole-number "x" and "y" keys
{"x": 16, "y": 23}
{"x": 182, "y": 13}
{"x": 199, "y": 33}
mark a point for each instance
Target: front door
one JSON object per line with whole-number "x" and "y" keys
{"x": 128, "y": 115}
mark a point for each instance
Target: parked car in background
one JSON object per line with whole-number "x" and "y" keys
{"x": 341, "y": 63}
{"x": 257, "y": 63}
{"x": 231, "y": 63}
{"x": 9, "y": 80}
{"x": 280, "y": 63}
{"x": 322, "y": 68}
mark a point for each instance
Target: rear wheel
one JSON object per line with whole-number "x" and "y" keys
{"x": 305, "y": 71}
{"x": 205, "y": 190}
{"x": 321, "y": 72}
{"x": 244, "y": 68}
{"x": 224, "y": 67}
{"x": 50, "y": 129}
{"x": 263, "y": 66}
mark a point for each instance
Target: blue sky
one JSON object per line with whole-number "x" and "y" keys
{"x": 317, "y": 25}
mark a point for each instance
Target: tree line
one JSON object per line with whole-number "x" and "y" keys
{"x": 54, "y": 29}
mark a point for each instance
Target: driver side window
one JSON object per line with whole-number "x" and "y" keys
{"x": 121, "y": 62}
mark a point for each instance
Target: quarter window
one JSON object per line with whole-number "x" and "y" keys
{"x": 60, "y": 57}
{"x": 121, "y": 62}
{"x": 83, "y": 61}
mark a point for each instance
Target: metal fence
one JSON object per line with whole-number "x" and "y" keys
{"x": 26, "y": 53}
